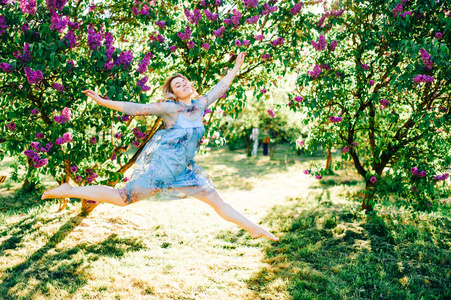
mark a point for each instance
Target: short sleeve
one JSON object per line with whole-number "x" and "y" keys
{"x": 218, "y": 90}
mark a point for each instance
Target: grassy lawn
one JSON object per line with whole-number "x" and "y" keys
{"x": 182, "y": 249}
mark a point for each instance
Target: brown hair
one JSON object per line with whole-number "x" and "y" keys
{"x": 168, "y": 93}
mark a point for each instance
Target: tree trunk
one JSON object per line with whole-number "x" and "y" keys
{"x": 368, "y": 196}
{"x": 248, "y": 144}
{"x": 272, "y": 149}
{"x": 329, "y": 159}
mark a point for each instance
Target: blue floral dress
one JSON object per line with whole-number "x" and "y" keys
{"x": 166, "y": 169}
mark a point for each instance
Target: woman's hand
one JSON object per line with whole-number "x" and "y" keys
{"x": 94, "y": 96}
{"x": 240, "y": 59}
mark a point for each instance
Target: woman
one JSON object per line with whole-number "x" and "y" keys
{"x": 165, "y": 168}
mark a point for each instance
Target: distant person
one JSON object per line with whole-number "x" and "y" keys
{"x": 254, "y": 137}
{"x": 166, "y": 169}
{"x": 265, "y": 142}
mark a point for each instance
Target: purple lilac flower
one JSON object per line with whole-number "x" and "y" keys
{"x": 191, "y": 45}
{"x": 306, "y": 172}
{"x": 172, "y": 48}
{"x": 73, "y": 25}
{"x": 78, "y": 178}
{"x": 345, "y": 149}
{"x": 321, "y": 21}
{"x": 250, "y": 3}
{"x": 161, "y": 24}
{"x": 125, "y": 118}
{"x": 438, "y": 35}
{"x": 298, "y": 99}
{"x": 144, "y": 63}
{"x": 253, "y": 20}
{"x": 319, "y": 177}
{"x": 93, "y": 140}
{"x": 11, "y": 126}
{"x": 41, "y": 163}
{"x": 58, "y": 87}
{"x": 186, "y": 35}
{"x": 3, "y": 25}
{"x": 423, "y": 78}
{"x": 373, "y": 179}
{"x": 384, "y": 103}
{"x": 118, "y": 135}
{"x": 277, "y": 42}
{"x": 33, "y": 77}
{"x": 301, "y": 143}
{"x": 263, "y": 91}
{"x": 73, "y": 169}
{"x": 237, "y": 43}
{"x": 355, "y": 144}
{"x": 70, "y": 61}
{"x": 56, "y": 4}
{"x": 203, "y": 3}
{"x": 268, "y": 9}
{"x": 141, "y": 83}
{"x": 125, "y": 179}
{"x": 125, "y": 58}
{"x": 59, "y": 141}
{"x": 136, "y": 143}
{"x": 426, "y": 59}
{"x": 24, "y": 28}
{"x": 404, "y": 14}
{"x": 108, "y": 66}
{"x": 266, "y": 56}
{"x": 316, "y": 71}
{"x": 371, "y": 82}
{"x": 333, "y": 45}
{"x": 58, "y": 23}
{"x": 71, "y": 38}
{"x": 7, "y": 68}
{"x": 324, "y": 67}
{"x": 271, "y": 113}
{"x": 94, "y": 39}
{"x": 34, "y": 111}
{"x": 210, "y": 16}
{"x": 259, "y": 37}
{"x": 28, "y": 6}
{"x": 89, "y": 171}
{"x": 67, "y": 137}
{"x": 113, "y": 156}
{"x": 365, "y": 66}
{"x": 227, "y": 21}
{"x": 194, "y": 17}
{"x": 39, "y": 135}
{"x": 334, "y": 119}
{"x": 220, "y": 32}
{"x": 397, "y": 9}
{"x": 91, "y": 178}
{"x": 321, "y": 44}
{"x": 296, "y": 9}
{"x": 206, "y": 46}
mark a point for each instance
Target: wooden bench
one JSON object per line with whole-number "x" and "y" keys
{"x": 2, "y": 178}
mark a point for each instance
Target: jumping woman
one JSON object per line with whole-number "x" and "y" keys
{"x": 166, "y": 168}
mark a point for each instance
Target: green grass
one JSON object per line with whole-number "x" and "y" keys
{"x": 182, "y": 249}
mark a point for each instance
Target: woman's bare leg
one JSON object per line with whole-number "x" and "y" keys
{"x": 228, "y": 213}
{"x": 99, "y": 193}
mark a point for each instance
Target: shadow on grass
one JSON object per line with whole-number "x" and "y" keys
{"x": 338, "y": 252}
{"x": 20, "y": 201}
{"x": 45, "y": 270}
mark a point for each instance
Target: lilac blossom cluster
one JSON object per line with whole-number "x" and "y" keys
{"x": 334, "y": 119}
{"x": 296, "y": 9}
{"x": 25, "y": 56}
{"x": 345, "y": 149}
{"x": 93, "y": 140}
{"x": 36, "y": 158}
{"x": 384, "y": 103}
{"x": 365, "y": 66}
{"x": 306, "y": 172}
{"x": 64, "y": 117}
{"x": 271, "y": 113}
{"x": 66, "y": 138}
{"x": 28, "y": 6}
{"x": 33, "y": 77}
{"x": 373, "y": 179}
{"x": 143, "y": 65}
{"x": 334, "y": 13}
{"x": 71, "y": 62}
{"x": 91, "y": 177}
{"x": 118, "y": 135}
{"x": 250, "y": 3}
{"x": 235, "y": 19}
{"x": 73, "y": 25}
{"x": 268, "y": 9}
{"x": 259, "y": 37}
{"x": 277, "y": 42}
{"x": 161, "y": 24}
{"x": 266, "y": 56}
{"x": 426, "y": 59}
{"x": 58, "y": 87}
{"x": 3, "y": 25}
{"x": 144, "y": 10}
{"x": 324, "y": 67}
{"x": 7, "y": 68}
{"x": 253, "y": 20}
{"x": 56, "y": 4}
{"x": 321, "y": 44}
{"x": 333, "y": 45}
{"x": 139, "y": 135}
{"x": 186, "y": 35}
{"x": 423, "y": 78}
{"x": 34, "y": 111}
{"x": 108, "y": 43}
{"x": 124, "y": 60}
{"x": 210, "y": 16}
{"x": 194, "y": 17}
{"x": 316, "y": 71}
{"x": 172, "y": 48}
{"x": 71, "y": 38}
{"x": 397, "y": 9}
{"x": 141, "y": 83}
{"x": 58, "y": 23}
{"x": 94, "y": 38}
{"x": 299, "y": 99}
{"x": 136, "y": 143}
{"x": 206, "y": 46}
{"x": 441, "y": 177}
{"x": 239, "y": 43}
{"x": 220, "y": 32}
{"x": 404, "y": 14}
{"x": 371, "y": 82}
{"x": 415, "y": 172}
{"x": 11, "y": 126}
{"x": 24, "y": 28}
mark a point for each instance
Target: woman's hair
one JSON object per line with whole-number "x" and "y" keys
{"x": 168, "y": 93}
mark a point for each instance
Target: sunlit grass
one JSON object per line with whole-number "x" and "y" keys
{"x": 183, "y": 250}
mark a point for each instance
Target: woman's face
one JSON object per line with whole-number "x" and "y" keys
{"x": 181, "y": 87}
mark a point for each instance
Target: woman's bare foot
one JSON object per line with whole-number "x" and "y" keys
{"x": 261, "y": 232}
{"x": 58, "y": 192}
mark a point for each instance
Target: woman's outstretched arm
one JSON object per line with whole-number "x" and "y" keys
{"x": 223, "y": 85}
{"x": 130, "y": 108}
